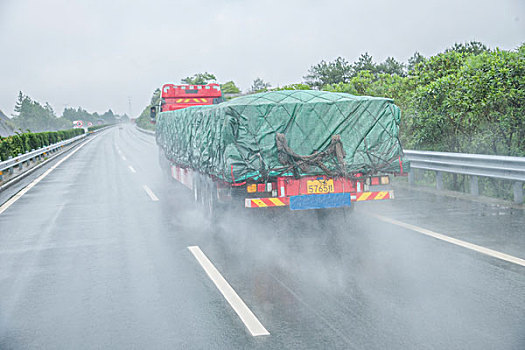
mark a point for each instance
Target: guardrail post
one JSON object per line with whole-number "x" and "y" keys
{"x": 419, "y": 174}
{"x": 439, "y": 180}
{"x": 411, "y": 177}
{"x": 518, "y": 192}
{"x": 474, "y": 188}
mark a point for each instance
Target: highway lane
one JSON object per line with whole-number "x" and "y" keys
{"x": 89, "y": 260}
{"x": 85, "y": 265}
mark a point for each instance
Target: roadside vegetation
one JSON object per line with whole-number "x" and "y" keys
{"x": 14, "y": 145}
{"x": 96, "y": 127}
{"x": 35, "y": 125}
{"x": 32, "y": 116}
{"x": 467, "y": 99}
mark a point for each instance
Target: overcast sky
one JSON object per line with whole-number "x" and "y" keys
{"x": 99, "y": 54}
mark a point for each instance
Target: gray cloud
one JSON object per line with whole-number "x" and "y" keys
{"x": 96, "y": 54}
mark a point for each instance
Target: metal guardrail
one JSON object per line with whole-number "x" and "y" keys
{"x": 23, "y": 158}
{"x": 474, "y": 165}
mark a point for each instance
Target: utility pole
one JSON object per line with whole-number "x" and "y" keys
{"x": 129, "y": 106}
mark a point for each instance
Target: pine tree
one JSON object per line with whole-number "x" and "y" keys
{"x": 18, "y": 105}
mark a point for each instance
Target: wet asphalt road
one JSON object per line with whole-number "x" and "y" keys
{"x": 89, "y": 261}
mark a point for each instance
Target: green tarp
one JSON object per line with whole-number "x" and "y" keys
{"x": 236, "y": 140}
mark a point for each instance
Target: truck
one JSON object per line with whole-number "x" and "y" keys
{"x": 174, "y": 97}
{"x": 289, "y": 150}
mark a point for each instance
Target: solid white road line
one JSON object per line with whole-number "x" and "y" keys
{"x": 458, "y": 242}
{"x": 248, "y": 318}
{"x": 131, "y": 169}
{"x": 23, "y": 191}
{"x": 150, "y": 193}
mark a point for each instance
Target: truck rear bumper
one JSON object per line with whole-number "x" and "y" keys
{"x": 317, "y": 201}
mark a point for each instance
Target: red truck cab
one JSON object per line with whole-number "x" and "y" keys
{"x": 175, "y": 97}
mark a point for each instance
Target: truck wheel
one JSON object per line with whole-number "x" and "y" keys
{"x": 203, "y": 186}
{"x": 213, "y": 207}
{"x": 209, "y": 201}
{"x": 196, "y": 195}
{"x": 163, "y": 163}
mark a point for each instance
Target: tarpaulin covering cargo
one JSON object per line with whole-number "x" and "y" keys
{"x": 300, "y": 132}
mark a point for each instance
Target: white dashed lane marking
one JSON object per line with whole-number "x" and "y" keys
{"x": 150, "y": 193}
{"x": 246, "y": 315}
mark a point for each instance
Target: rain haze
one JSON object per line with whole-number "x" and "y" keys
{"x": 101, "y": 55}
{"x": 378, "y": 205}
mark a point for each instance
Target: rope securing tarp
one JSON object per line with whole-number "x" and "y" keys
{"x": 296, "y": 162}
{"x": 297, "y": 132}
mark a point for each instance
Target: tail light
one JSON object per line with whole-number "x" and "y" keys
{"x": 264, "y": 187}
{"x": 379, "y": 180}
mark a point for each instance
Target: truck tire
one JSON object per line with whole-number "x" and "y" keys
{"x": 209, "y": 201}
{"x": 163, "y": 162}
{"x": 203, "y": 190}
{"x": 215, "y": 207}
{"x": 196, "y": 190}
{"x": 165, "y": 167}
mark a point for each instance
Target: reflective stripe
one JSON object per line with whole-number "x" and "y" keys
{"x": 381, "y": 195}
{"x": 259, "y": 203}
{"x": 276, "y": 201}
{"x": 266, "y": 202}
{"x": 364, "y": 196}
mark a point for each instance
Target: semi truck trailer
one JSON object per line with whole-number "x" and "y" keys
{"x": 294, "y": 149}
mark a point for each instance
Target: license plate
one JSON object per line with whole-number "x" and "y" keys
{"x": 320, "y": 186}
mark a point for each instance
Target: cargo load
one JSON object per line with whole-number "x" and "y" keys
{"x": 285, "y": 133}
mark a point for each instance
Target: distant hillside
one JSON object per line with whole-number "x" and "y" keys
{"x": 5, "y": 125}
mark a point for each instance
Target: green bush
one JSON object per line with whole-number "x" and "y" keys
{"x": 96, "y": 127}
{"x": 4, "y": 149}
{"x": 12, "y": 146}
{"x": 35, "y": 141}
{"x": 145, "y": 123}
